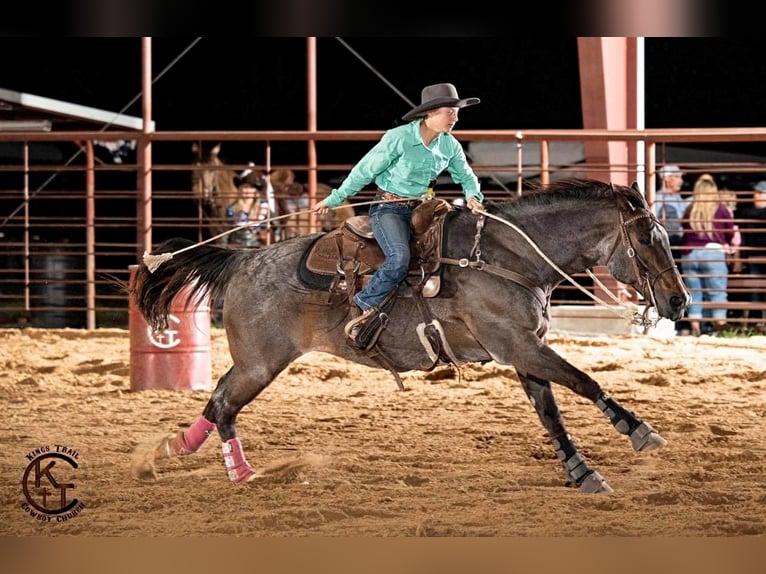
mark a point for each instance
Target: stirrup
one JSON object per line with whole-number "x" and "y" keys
{"x": 362, "y": 333}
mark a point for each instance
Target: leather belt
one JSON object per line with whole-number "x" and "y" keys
{"x": 385, "y": 195}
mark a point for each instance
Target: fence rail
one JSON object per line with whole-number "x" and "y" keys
{"x": 70, "y": 227}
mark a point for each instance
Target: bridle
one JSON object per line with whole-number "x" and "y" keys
{"x": 645, "y": 279}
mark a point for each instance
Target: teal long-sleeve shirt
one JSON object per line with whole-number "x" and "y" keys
{"x": 400, "y": 163}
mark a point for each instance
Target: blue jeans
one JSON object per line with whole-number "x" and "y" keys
{"x": 705, "y": 272}
{"x": 390, "y": 223}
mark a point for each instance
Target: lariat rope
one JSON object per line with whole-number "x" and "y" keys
{"x": 634, "y": 317}
{"x": 153, "y": 261}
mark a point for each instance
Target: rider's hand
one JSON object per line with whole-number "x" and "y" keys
{"x": 321, "y": 208}
{"x": 475, "y": 205}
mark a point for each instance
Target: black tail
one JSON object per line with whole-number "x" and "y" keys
{"x": 205, "y": 269}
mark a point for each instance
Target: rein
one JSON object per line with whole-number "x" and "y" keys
{"x": 153, "y": 261}
{"x": 634, "y": 317}
{"x": 524, "y": 281}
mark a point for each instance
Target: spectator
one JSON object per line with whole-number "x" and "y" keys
{"x": 248, "y": 208}
{"x": 729, "y": 199}
{"x": 707, "y": 238}
{"x": 670, "y": 205}
{"x": 753, "y": 224}
{"x": 293, "y": 199}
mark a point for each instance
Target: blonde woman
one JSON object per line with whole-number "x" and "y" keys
{"x": 708, "y": 235}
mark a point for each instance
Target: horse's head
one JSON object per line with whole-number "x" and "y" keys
{"x": 211, "y": 183}
{"x": 202, "y": 179}
{"x": 642, "y": 256}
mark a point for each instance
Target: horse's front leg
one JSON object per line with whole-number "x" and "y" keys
{"x": 575, "y": 468}
{"x": 546, "y": 364}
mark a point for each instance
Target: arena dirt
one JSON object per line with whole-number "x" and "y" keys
{"x": 342, "y": 452}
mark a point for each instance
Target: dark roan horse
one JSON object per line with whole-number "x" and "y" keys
{"x": 497, "y": 271}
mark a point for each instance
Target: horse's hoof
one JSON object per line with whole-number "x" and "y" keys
{"x": 164, "y": 450}
{"x": 242, "y": 473}
{"x": 594, "y": 483}
{"x": 645, "y": 438}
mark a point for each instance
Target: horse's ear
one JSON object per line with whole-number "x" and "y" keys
{"x": 216, "y": 150}
{"x": 634, "y": 185}
{"x": 623, "y": 202}
{"x": 195, "y": 148}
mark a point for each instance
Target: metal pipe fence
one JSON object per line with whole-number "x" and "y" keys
{"x": 69, "y": 230}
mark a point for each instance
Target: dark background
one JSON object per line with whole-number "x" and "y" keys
{"x": 260, "y": 83}
{"x": 255, "y": 83}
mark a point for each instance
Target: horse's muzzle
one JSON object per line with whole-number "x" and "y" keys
{"x": 678, "y": 304}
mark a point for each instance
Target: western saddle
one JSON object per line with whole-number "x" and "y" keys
{"x": 351, "y": 255}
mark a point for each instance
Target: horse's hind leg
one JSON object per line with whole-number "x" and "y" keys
{"x": 541, "y": 396}
{"x": 220, "y": 412}
{"x": 190, "y": 440}
{"x": 186, "y": 441}
{"x": 233, "y": 392}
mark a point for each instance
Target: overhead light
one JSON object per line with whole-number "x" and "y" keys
{"x": 25, "y": 125}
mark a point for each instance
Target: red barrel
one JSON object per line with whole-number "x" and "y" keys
{"x": 179, "y": 357}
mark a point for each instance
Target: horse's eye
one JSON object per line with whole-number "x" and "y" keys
{"x": 645, "y": 241}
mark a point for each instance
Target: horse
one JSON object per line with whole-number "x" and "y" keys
{"x": 498, "y": 269}
{"x": 213, "y": 188}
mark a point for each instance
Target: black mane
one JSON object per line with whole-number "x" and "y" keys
{"x": 564, "y": 192}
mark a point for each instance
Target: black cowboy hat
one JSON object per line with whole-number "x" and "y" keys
{"x": 437, "y": 96}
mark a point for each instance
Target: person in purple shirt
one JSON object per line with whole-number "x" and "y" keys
{"x": 708, "y": 235}
{"x": 403, "y": 165}
{"x": 753, "y": 214}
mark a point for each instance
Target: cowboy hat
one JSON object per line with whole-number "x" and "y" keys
{"x": 250, "y": 177}
{"x": 669, "y": 170}
{"x": 437, "y": 96}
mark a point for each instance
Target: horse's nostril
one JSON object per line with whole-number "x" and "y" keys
{"x": 678, "y": 302}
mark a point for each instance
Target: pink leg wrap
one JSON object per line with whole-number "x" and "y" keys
{"x": 234, "y": 459}
{"x": 189, "y": 441}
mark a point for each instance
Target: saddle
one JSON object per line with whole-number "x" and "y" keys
{"x": 350, "y": 254}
